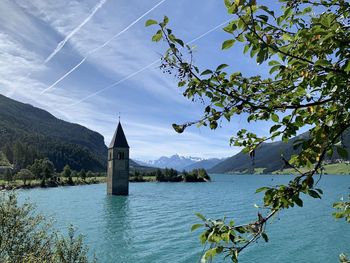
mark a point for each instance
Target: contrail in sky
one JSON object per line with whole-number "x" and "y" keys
{"x": 209, "y": 31}
{"x": 101, "y": 46}
{"x": 115, "y": 83}
{"x": 144, "y": 68}
{"x": 64, "y": 41}
{"x": 75, "y": 30}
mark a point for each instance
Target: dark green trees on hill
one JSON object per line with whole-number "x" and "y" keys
{"x": 196, "y": 175}
{"x": 171, "y": 175}
{"x": 43, "y": 169}
{"x": 25, "y": 175}
{"x": 19, "y": 154}
{"x": 168, "y": 175}
{"x": 28, "y": 133}
{"x": 67, "y": 173}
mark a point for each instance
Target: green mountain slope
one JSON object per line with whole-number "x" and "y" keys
{"x": 267, "y": 157}
{"x": 46, "y": 136}
{"x": 205, "y": 164}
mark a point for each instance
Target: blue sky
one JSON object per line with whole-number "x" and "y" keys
{"x": 31, "y": 60}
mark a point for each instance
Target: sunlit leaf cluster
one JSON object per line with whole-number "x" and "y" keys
{"x": 343, "y": 210}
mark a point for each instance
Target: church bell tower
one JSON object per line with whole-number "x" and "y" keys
{"x": 118, "y": 164}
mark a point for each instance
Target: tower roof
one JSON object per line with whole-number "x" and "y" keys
{"x": 119, "y": 139}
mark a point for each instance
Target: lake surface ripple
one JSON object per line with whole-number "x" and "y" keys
{"x": 153, "y": 223}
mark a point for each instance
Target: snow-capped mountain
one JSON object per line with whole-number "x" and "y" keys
{"x": 180, "y": 162}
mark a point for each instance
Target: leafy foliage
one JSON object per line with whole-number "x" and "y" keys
{"x": 26, "y": 236}
{"x": 71, "y": 248}
{"x": 343, "y": 259}
{"x": 25, "y": 175}
{"x": 171, "y": 175}
{"x": 168, "y": 175}
{"x": 196, "y": 175}
{"x": 43, "y": 169}
{"x": 306, "y": 47}
{"x": 343, "y": 210}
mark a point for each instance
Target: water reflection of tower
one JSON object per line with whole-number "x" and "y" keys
{"x": 118, "y": 164}
{"x": 118, "y": 235}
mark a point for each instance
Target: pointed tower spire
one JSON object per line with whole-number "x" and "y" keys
{"x": 119, "y": 139}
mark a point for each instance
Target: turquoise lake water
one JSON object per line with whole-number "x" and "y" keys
{"x": 153, "y": 223}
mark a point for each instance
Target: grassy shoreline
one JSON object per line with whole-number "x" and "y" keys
{"x": 330, "y": 169}
{"x": 19, "y": 184}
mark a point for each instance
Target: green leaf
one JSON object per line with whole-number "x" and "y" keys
{"x": 178, "y": 128}
{"x": 262, "y": 189}
{"x": 203, "y": 237}
{"x": 246, "y": 49}
{"x": 343, "y": 153}
{"x": 319, "y": 190}
{"x": 265, "y": 18}
{"x": 230, "y": 28}
{"x": 151, "y": 22}
{"x": 179, "y": 41}
{"x": 165, "y": 20}
{"x": 200, "y": 216}
{"x": 314, "y": 194}
{"x": 275, "y": 128}
{"x": 265, "y": 237}
{"x": 299, "y": 202}
{"x": 261, "y": 56}
{"x": 338, "y": 215}
{"x": 213, "y": 125}
{"x": 274, "y": 117}
{"x": 267, "y": 10}
{"x": 288, "y": 12}
{"x": 228, "y": 3}
{"x": 240, "y": 38}
{"x": 274, "y": 62}
{"x": 323, "y": 63}
{"x": 209, "y": 254}
{"x": 227, "y": 44}
{"x": 196, "y": 226}
{"x": 253, "y": 51}
{"x": 206, "y": 72}
{"x": 158, "y": 36}
{"x": 275, "y": 68}
{"x": 347, "y": 67}
{"x": 307, "y": 10}
{"x": 240, "y": 229}
{"x": 222, "y": 66}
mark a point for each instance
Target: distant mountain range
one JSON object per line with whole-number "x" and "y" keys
{"x": 268, "y": 157}
{"x": 181, "y": 162}
{"x": 47, "y": 136}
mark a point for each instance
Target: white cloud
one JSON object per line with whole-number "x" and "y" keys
{"x": 149, "y": 102}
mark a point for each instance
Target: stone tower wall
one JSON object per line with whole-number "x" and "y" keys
{"x": 118, "y": 171}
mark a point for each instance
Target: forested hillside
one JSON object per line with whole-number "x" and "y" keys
{"x": 205, "y": 164}
{"x": 27, "y": 132}
{"x": 268, "y": 157}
